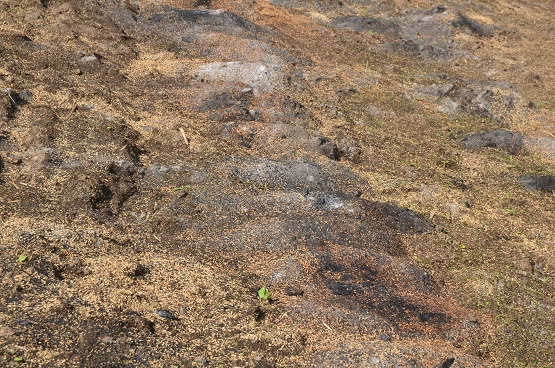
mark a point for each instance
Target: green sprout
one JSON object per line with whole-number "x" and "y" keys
{"x": 264, "y": 294}
{"x": 22, "y": 258}
{"x": 183, "y": 187}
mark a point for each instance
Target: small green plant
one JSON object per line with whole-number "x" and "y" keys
{"x": 480, "y": 304}
{"x": 22, "y": 258}
{"x": 183, "y": 187}
{"x": 18, "y": 359}
{"x": 372, "y": 33}
{"x": 446, "y": 163}
{"x": 512, "y": 162}
{"x": 510, "y": 211}
{"x": 418, "y": 259}
{"x": 264, "y": 294}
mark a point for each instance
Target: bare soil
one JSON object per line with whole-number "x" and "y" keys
{"x": 385, "y": 169}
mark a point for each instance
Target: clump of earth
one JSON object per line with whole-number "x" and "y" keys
{"x": 385, "y": 170}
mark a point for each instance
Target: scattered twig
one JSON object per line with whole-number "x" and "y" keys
{"x": 328, "y": 327}
{"x": 184, "y": 136}
{"x": 11, "y": 98}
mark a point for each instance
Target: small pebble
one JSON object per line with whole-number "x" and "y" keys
{"x": 25, "y": 95}
{"x": 446, "y": 363}
{"x": 201, "y": 360}
{"x": 85, "y": 107}
{"x": 88, "y": 58}
{"x": 293, "y": 291}
{"x": 164, "y": 314}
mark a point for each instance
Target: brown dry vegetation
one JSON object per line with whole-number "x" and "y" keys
{"x": 120, "y": 217}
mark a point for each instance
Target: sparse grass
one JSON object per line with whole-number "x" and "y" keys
{"x": 490, "y": 177}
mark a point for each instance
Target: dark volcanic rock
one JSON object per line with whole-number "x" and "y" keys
{"x": 230, "y": 105}
{"x": 543, "y": 183}
{"x": 475, "y": 26}
{"x": 214, "y": 20}
{"x": 502, "y": 139}
{"x": 329, "y": 149}
{"x": 446, "y": 363}
{"x": 185, "y": 23}
{"x": 379, "y": 354}
{"x": 163, "y": 313}
{"x": 428, "y": 34}
{"x": 300, "y": 175}
{"x": 495, "y": 100}
{"x": 10, "y": 100}
{"x": 365, "y": 24}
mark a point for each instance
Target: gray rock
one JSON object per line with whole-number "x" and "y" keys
{"x": 214, "y": 19}
{"x": 232, "y": 104}
{"x": 475, "y": 26}
{"x": 10, "y": 100}
{"x": 502, "y": 139}
{"x": 436, "y": 90}
{"x": 366, "y": 24}
{"x": 163, "y": 313}
{"x": 288, "y": 271}
{"x": 263, "y": 77}
{"x": 88, "y": 58}
{"x": 543, "y": 145}
{"x": 25, "y": 95}
{"x": 381, "y": 355}
{"x": 328, "y": 148}
{"x": 448, "y": 106}
{"x": 543, "y": 183}
{"x": 156, "y": 172}
{"x": 85, "y": 107}
{"x": 293, "y": 291}
{"x": 427, "y": 34}
{"x": 491, "y": 99}
{"x": 185, "y": 26}
{"x": 202, "y": 360}
{"x": 446, "y": 363}
{"x": 297, "y": 174}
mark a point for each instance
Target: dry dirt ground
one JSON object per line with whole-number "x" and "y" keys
{"x": 385, "y": 168}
